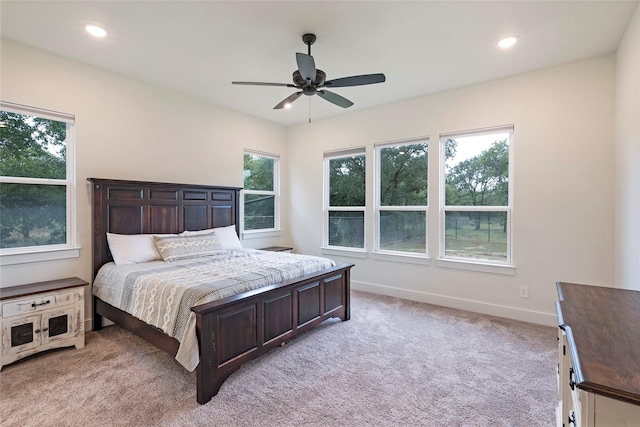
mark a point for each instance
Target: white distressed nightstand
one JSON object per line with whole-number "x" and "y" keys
{"x": 41, "y": 316}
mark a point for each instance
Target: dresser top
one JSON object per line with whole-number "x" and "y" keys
{"x": 603, "y": 334}
{"x": 40, "y": 287}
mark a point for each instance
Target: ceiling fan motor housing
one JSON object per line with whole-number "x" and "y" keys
{"x": 300, "y": 82}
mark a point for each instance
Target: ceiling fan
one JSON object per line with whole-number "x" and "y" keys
{"x": 312, "y": 81}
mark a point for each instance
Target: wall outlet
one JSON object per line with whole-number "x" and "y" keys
{"x": 524, "y": 291}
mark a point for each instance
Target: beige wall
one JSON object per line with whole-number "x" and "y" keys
{"x": 564, "y": 175}
{"x": 627, "y": 189}
{"x": 127, "y": 129}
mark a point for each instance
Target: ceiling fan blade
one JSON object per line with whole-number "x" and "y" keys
{"x": 334, "y": 98}
{"x": 365, "y": 79}
{"x": 263, "y": 84}
{"x": 307, "y": 67}
{"x": 287, "y": 100}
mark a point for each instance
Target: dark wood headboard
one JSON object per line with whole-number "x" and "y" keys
{"x": 137, "y": 207}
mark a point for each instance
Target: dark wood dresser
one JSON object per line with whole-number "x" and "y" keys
{"x": 599, "y": 356}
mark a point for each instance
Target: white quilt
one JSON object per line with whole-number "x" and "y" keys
{"x": 162, "y": 293}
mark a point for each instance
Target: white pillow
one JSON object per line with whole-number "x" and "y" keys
{"x": 226, "y": 235}
{"x": 133, "y": 248}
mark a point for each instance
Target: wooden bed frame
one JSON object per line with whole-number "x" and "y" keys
{"x": 230, "y": 331}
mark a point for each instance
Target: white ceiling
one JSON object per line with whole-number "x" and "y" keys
{"x": 199, "y": 47}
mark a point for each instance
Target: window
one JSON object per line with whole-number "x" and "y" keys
{"x": 401, "y": 199}
{"x": 345, "y": 199}
{"x": 260, "y": 192}
{"x": 37, "y": 186}
{"x": 476, "y": 208}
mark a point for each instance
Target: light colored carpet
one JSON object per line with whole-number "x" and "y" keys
{"x": 395, "y": 363}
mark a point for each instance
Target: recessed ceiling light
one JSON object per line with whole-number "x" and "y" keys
{"x": 507, "y": 42}
{"x": 95, "y": 30}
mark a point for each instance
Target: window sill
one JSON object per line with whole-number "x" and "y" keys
{"x": 402, "y": 257}
{"x": 354, "y": 253}
{"x": 485, "y": 267}
{"x": 257, "y": 234}
{"x": 38, "y": 255}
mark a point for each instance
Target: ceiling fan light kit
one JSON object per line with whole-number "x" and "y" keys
{"x": 312, "y": 81}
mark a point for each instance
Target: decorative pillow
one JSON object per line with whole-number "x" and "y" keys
{"x": 226, "y": 235}
{"x": 173, "y": 248}
{"x": 133, "y": 248}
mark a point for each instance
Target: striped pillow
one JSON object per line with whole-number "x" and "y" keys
{"x": 172, "y": 248}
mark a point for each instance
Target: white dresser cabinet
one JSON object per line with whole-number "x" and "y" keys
{"x": 598, "y": 357}
{"x": 41, "y": 316}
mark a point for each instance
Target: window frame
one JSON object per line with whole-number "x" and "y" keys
{"x": 378, "y": 208}
{"x": 327, "y": 248}
{"x": 70, "y": 249}
{"x": 263, "y": 232}
{"x": 477, "y": 264}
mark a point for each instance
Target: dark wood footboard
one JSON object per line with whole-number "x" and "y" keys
{"x": 237, "y": 329}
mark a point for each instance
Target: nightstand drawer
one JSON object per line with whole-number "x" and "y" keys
{"x": 37, "y": 303}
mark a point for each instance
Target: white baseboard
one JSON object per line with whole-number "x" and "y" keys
{"x": 530, "y": 316}
{"x": 548, "y": 319}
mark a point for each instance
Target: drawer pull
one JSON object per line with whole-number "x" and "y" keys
{"x": 42, "y": 303}
{"x": 572, "y": 382}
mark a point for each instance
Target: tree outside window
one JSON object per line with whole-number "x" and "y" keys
{"x": 260, "y": 192}
{"x": 35, "y": 182}
{"x": 345, "y": 201}
{"x": 401, "y": 205}
{"x": 477, "y": 205}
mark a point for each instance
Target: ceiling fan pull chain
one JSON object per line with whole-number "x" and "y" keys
{"x": 309, "y": 110}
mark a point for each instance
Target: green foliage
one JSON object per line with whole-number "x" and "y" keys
{"x": 403, "y": 175}
{"x": 482, "y": 180}
{"x": 347, "y": 181}
{"x": 258, "y": 172}
{"x": 32, "y": 214}
{"x": 32, "y": 146}
{"x": 450, "y": 148}
{"x": 259, "y": 209}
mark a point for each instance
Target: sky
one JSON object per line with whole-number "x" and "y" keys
{"x": 471, "y": 146}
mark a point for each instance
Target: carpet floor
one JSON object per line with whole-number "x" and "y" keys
{"x": 395, "y": 363}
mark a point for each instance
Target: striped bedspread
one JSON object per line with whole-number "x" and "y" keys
{"x": 162, "y": 293}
